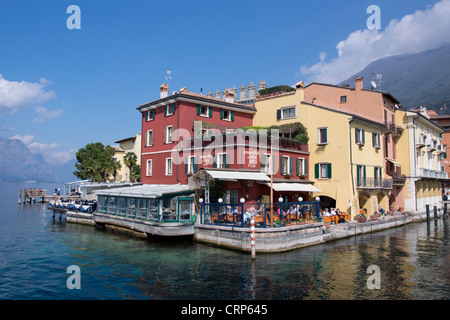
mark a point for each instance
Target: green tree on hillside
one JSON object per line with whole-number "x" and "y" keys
{"x": 93, "y": 161}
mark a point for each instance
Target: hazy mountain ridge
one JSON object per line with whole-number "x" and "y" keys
{"x": 18, "y": 164}
{"x": 414, "y": 79}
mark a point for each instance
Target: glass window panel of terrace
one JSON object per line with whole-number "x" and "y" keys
{"x": 185, "y": 209}
{"x": 112, "y": 205}
{"x": 152, "y": 207}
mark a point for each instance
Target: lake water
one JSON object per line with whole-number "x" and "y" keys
{"x": 36, "y": 250}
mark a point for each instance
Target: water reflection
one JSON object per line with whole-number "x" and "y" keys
{"x": 36, "y": 250}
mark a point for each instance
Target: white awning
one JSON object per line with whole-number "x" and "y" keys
{"x": 237, "y": 175}
{"x": 144, "y": 191}
{"x": 305, "y": 187}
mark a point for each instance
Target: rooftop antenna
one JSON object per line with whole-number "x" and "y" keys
{"x": 169, "y": 75}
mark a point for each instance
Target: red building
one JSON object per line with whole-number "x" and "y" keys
{"x": 186, "y": 133}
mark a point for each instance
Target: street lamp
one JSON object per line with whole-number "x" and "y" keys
{"x": 280, "y": 199}
{"x": 220, "y": 200}
{"x": 300, "y": 199}
{"x": 242, "y": 200}
{"x": 317, "y": 199}
{"x": 200, "y": 200}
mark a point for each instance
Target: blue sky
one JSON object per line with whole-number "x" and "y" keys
{"x": 61, "y": 89}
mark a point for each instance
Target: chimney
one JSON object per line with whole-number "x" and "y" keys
{"x": 164, "y": 90}
{"x": 243, "y": 93}
{"x": 262, "y": 85}
{"x": 251, "y": 91}
{"x": 229, "y": 96}
{"x": 217, "y": 94}
{"x": 358, "y": 83}
{"x": 300, "y": 85}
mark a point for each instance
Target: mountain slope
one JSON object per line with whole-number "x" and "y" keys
{"x": 414, "y": 79}
{"x": 18, "y": 164}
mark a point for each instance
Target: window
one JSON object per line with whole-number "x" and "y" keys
{"x": 221, "y": 161}
{"x": 360, "y": 136}
{"x": 149, "y": 167}
{"x": 191, "y": 165}
{"x": 204, "y": 111}
{"x": 286, "y": 113}
{"x": 360, "y": 176}
{"x": 266, "y": 163}
{"x": 227, "y": 115}
{"x": 302, "y": 167}
{"x": 323, "y": 136}
{"x": 287, "y": 166}
{"x": 168, "y": 134}
{"x": 150, "y": 115}
{"x": 168, "y": 166}
{"x": 169, "y": 109}
{"x": 150, "y": 138}
{"x": 377, "y": 176}
{"x": 343, "y": 99}
{"x": 376, "y": 140}
{"x": 322, "y": 170}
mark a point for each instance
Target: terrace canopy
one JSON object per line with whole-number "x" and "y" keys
{"x": 305, "y": 187}
{"x": 234, "y": 175}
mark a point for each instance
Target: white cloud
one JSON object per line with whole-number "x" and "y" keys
{"x": 15, "y": 96}
{"x": 420, "y": 31}
{"x": 44, "y": 113}
{"x": 53, "y": 153}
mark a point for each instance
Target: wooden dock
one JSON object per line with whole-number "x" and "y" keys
{"x": 40, "y": 195}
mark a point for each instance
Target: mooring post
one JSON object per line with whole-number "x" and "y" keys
{"x": 252, "y": 229}
{"x": 428, "y": 212}
{"x": 445, "y": 209}
{"x": 435, "y": 213}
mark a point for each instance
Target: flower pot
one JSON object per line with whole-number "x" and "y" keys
{"x": 361, "y": 219}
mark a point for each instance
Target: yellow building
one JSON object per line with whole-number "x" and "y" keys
{"x": 345, "y": 154}
{"x": 420, "y": 152}
{"x": 132, "y": 144}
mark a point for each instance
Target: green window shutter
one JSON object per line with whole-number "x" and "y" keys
{"x": 357, "y": 135}
{"x": 358, "y": 177}
{"x": 306, "y": 166}
{"x": 298, "y": 167}
{"x": 199, "y": 109}
{"x": 329, "y": 171}
{"x": 232, "y": 115}
{"x": 282, "y": 165}
{"x": 279, "y": 114}
{"x": 316, "y": 169}
{"x": 364, "y": 181}
{"x": 374, "y": 138}
{"x": 291, "y": 166}
{"x": 221, "y": 114}
{"x": 363, "y": 136}
{"x": 195, "y": 169}
{"x": 210, "y": 112}
{"x": 153, "y": 114}
{"x": 165, "y": 110}
{"x": 172, "y": 108}
{"x": 227, "y": 161}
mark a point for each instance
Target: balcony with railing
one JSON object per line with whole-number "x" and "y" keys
{"x": 429, "y": 173}
{"x": 392, "y": 128}
{"x": 374, "y": 183}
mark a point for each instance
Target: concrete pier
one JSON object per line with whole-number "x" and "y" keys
{"x": 271, "y": 240}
